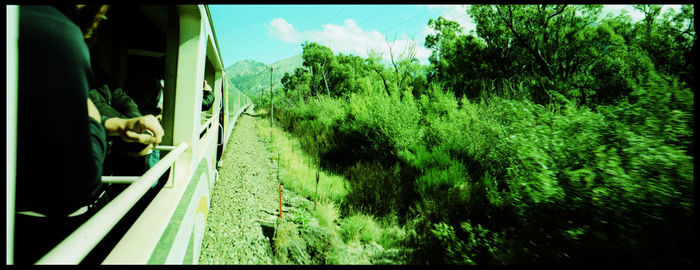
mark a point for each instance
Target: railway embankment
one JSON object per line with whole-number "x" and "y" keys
{"x": 243, "y": 225}
{"x": 244, "y": 198}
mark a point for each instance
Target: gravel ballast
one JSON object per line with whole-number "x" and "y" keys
{"x": 245, "y": 194}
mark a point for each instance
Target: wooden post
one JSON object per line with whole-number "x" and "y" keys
{"x": 272, "y": 107}
{"x": 317, "y": 178}
{"x": 279, "y": 185}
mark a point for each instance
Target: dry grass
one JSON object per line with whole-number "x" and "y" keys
{"x": 337, "y": 240}
{"x": 297, "y": 169}
{"x": 288, "y": 245}
{"x": 360, "y": 227}
{"x": 327, "y": 214}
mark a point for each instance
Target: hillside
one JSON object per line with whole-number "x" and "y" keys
{"x": 251, "y": 76}
{"x": 245, "y": 67}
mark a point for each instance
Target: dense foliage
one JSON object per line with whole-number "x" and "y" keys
{"x": 550, "y": 136}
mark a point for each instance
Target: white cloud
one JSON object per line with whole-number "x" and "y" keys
{"x": 348, "y": 38}
{"x": 283, "y": 30}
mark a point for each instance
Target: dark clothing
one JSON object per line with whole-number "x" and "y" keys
{"x": 114, "y": 102}
{"x": 207, "y": 100}
{"x": 146, "y": 91}
{"x": 42, "y": 234}
{"x": 53, "y": 124}
{"x": 53, "y": 105}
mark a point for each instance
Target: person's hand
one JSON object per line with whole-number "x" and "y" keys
{"x": 92, "y": 110}
{"x": 145, "y": 129}
{"x": 206, "y": 86}
{"x": 138, "y": 129}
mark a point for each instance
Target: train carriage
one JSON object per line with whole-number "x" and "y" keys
{"x": 160, "y": 217}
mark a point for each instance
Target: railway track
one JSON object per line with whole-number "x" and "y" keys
{"x": 242, "y": 200}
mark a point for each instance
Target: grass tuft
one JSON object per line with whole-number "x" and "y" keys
{"x": 289, "y": 246}
{"x": 298, "y": 169}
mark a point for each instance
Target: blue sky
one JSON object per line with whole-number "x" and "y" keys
{"x": 268, "y": 33}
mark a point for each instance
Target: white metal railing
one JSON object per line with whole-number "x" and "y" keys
{"x": 130, "y": 179}
{"x": 208, "y": 123}
{"x": 119, "y": 179}
{"x": 78, "y": 244}
{"x": 11, "y": 127}
{"x": 164, "y": 148}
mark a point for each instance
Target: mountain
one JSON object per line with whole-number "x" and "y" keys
{"x": 245, "y": 67}
{"x": 251, "y": 76}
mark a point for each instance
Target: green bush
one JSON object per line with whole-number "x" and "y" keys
{"x": 595, "y": 165}
{"x": 479, "y": 244}
{"x": 360, "y": 227}
{"x": 374, "y": 187}
{"x": 289, "y": 246}
{"x": 326, "y": 214}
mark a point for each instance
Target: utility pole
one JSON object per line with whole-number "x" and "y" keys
{"x": 318, "y": 177}
{"x": 272, "y": 106}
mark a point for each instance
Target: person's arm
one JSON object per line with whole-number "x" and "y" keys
{"x": 207, "y": 100}
{"x": 132, "y": 129}
{"x": 124, "y": 103}
{"x": 92, "y": 110}
{"x": 102, "y": 105}
{"x": 207, "y": 97}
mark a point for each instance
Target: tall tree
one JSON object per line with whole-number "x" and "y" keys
{"x": 318, "y": 59}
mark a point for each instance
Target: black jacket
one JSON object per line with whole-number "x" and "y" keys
{"x": 114, "y": 102}
{"x": 207, "y": 100}
{"x": 60, "y": 149}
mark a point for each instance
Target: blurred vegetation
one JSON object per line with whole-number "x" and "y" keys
{"x": 550, "y": 135}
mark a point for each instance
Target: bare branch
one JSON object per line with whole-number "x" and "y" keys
{"x": 555, "y": 14}
{"x": 533, "y": 51}
{"x": 323, "y": 73}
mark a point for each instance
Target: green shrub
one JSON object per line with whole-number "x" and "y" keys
{"x": 326, "y": 214}
{"x": 389, "y": 124}
{"x": 321, "y": 243}
{"x": 566, "y": 183}
{"x": 392, "y": 237}
{"x": 375, "y": 187}
{"x": 289, "y": 247}
{"x": 360, "y": 227}
{"x": 479, "y": 244}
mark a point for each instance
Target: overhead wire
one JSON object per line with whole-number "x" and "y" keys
{"x": 336, "y": 15}
{"x": 405, "y": 21}
{"x": 375, "y": 14}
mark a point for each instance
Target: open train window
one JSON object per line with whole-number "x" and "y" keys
{"x": 209, "y": 77}
{"x": 130, "y": 54}
{"x": 211, "y": 104}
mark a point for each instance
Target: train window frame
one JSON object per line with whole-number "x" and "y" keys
{"x": 214, "y": 77}
{"x": 158, "y": 171}
{"x": 116, "y": 50}
{"x": 189, "y": 46}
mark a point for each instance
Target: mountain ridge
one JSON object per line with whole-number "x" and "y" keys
{"x": 251, "y": 76}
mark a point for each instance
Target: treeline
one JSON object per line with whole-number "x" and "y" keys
{"x": 550, "y": 136}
